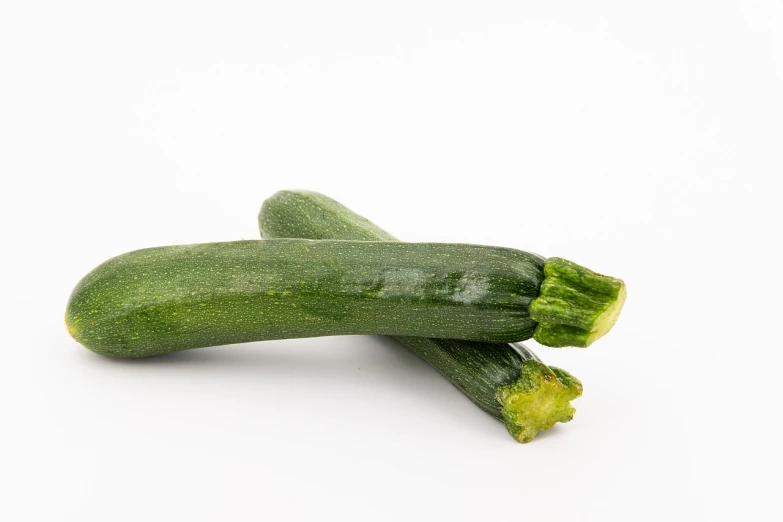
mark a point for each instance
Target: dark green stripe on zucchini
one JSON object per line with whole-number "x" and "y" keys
{"x": 506, "y": 381}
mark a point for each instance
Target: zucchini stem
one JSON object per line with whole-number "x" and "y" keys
{"x": 575, "y": 306}
{"x": 539, "y": 399}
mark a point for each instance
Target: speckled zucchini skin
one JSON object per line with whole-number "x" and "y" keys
{"x": 483, "y": 371}
{"x": 165, "y": 299}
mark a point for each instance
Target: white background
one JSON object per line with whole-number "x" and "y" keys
{"x": 641, "y": 139}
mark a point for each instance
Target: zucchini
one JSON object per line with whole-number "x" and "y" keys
{"x": 164, "y": 299}
{"x": 507, "y": 381}
{"x": 573, "y": 306}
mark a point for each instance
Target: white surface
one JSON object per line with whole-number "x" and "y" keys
{"x": 640, "y": 139}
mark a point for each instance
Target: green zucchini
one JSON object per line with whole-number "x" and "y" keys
{"x": 507, "y": 381}
{"x": 164, "y": 299}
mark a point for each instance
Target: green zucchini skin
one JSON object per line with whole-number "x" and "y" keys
{"x": 497, "y": 377}
{"x": 159, "y": 300}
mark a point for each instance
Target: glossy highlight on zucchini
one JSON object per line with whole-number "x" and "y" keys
{"x": 507, "y": 381}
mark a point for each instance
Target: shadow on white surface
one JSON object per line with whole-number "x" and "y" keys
{"x": 349, "y": 370}
{"x": 297, "y": 355}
